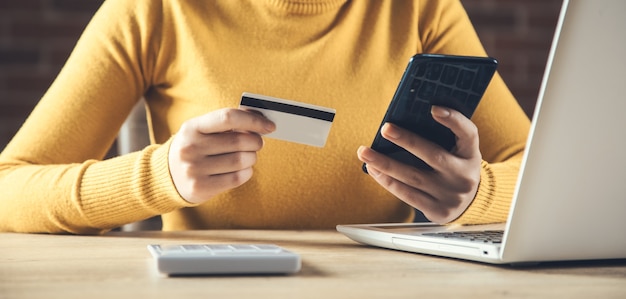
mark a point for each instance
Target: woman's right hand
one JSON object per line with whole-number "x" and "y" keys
{"x": 215, "y": 152}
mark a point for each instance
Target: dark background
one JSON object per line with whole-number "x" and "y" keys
{"x": 36, "y": 37}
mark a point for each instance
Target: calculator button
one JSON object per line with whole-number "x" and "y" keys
{"x": 199, "y": 248}
{"x": 220, "y": 248}
{"x": 268, "y": 248}
{"x": 243, "y": 248}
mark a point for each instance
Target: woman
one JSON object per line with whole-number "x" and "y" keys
{"x": 208, "y": 166}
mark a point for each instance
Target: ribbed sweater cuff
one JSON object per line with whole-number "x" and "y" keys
{"x": 129, "y": 188}
{"x": 495, "y": 191}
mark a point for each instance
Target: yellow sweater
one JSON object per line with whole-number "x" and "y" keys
{"x": 191, "y": 57}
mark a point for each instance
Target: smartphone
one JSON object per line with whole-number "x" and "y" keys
{"x": 457, "y": 82}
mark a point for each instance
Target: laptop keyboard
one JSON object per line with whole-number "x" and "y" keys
{"x": 487, "y": 236}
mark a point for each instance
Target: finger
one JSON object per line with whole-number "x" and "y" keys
{"x": 406, "y": 174}
{"x": 431, "y": 153}
{"x": 204, "y": 187}
{"x": 456, "y": 172}
{"x": 221, "y": 143}
{"x": 462, "y": 127}
{"x": 221, "y": 164}
{"x": 414, "y": 197}
{"x": 230, "y": 119}
{"x": 437, "y": 206}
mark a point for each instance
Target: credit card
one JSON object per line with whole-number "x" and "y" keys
{"x": 295, "y": 121}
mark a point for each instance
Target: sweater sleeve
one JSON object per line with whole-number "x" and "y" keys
{"x": 52, "y": 174}
{"x": 502, "y": 124}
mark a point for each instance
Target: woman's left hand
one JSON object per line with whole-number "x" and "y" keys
{"x": 443, "y": 193}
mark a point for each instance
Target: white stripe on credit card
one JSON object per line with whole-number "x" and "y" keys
{"x": 296, "y": 122}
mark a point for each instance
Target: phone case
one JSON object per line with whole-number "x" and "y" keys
{"x": 457, "y": 82}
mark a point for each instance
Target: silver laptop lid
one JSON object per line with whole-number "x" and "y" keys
{"x": 572, "y": 187}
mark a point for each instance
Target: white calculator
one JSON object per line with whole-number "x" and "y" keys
{"x": 232, "y": 259}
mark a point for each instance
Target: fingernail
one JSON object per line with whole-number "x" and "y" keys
{"x": 270, "y": 126}
{"x": 389, "y": 131}
{"x": 364, "y": 155}
{"x": 440, "y": 111}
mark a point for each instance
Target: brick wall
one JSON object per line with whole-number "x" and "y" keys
{"x": 36, "y": 36}
{"x": 519, "y": 34}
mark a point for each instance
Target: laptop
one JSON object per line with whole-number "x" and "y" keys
{"x": 570, "y": 199}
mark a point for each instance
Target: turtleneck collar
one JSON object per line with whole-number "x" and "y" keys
{"x": 306, "y": 7}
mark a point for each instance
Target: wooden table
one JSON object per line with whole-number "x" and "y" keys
{"x": 118, "y": 265}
